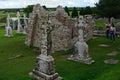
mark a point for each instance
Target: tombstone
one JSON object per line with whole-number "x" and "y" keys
{"x": 81, "y": 50}
{"x": 19, "y": 26}
{"x": 45, "y": 65}
{"x": 8, "y": 28}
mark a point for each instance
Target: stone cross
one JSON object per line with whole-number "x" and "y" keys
{"x": 81, "y": 48}
{"x": 46, "y": 43}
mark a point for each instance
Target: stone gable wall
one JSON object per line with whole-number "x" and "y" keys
{"x": 64, "y": 32}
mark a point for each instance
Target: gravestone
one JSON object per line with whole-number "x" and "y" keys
{"x": 19, "y": 26}
{"x": 45, "y": 65}
{"x": 81, "y": 53}
{"x": 8, "y": 28}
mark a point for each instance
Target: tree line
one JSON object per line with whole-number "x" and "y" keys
{"x": 104, "y": 8}
{"x": 71, "y": 11}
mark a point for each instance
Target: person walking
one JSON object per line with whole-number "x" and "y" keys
{"x": 112, "y": 32}
{"x": 107, "y": 29}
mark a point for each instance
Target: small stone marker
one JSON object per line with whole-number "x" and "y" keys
{"x": 113, "y": 53}
{"x": 111, "y": 61}
{"x": 104, "y": 45}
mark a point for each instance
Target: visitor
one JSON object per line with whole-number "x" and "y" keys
{"x": 112, "y": 32}
{"x": 107, "y": 29}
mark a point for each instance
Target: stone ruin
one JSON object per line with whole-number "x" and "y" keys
{"x": 65, "y": 30}
{"x": 21, "y": 28}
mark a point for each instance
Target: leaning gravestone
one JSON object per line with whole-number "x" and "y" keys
{"x": 8, "y": 28}
{"x": 45, "y": 65}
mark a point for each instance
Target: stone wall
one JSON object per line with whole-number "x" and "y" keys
{"x": 65, "y": 30}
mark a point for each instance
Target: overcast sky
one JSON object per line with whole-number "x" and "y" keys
{"x": 48, "y": 3}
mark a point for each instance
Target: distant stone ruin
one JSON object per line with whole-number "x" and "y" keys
{"x": 65, "y": 29}
{"x": 21, "y": 28}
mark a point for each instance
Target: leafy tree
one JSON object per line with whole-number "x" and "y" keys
{"x": 45, "y": 7}
{"x": 74, "y": 13}
{"x": 108, "y": 8}
{"x": 67, "y": 10}
{"x": 28, "y": 9}
{"x": 86, "y": 10}
{"x": 82, "y": 11}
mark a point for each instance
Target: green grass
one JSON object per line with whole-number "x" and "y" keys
{"x": 71, "y": 70}
{"x": 18, "y": 68}
{"x": 100, "y": 23}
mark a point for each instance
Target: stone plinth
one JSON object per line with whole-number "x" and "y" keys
{"x": 87, "y": 60}
{"x": 8, "y": 32}
{"x": 45, "y": 69}
{"x": 81, "y": 53}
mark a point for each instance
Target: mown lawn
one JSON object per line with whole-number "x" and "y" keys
{"x": 18, "y": 68}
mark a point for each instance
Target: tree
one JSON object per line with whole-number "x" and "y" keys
{"x": 45, "y": 7}
{"x": 86, "y": 10}
{"x": 28, "y": 9}
{"x": 67, "y": 10}
{"x": 82, "y": 11}
{"x": 108, "y": 8}
{"x": 74, "y": 13}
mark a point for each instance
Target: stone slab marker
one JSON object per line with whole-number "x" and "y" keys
{"x": 19, "y": 26}
{"x": 8, "y": 28}
{"x": 45, "y": 65}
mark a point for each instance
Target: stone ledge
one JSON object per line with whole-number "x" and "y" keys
{"x": 41, "y": 76}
